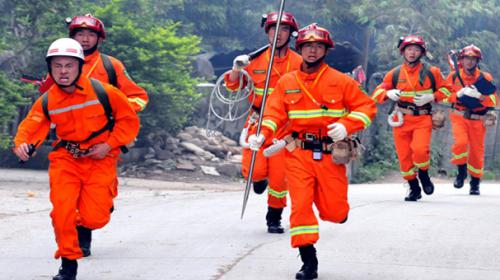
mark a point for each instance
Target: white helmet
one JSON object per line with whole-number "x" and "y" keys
{"x": 65, "y": 47}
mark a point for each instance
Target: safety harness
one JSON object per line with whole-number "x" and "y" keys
{"x": 409, "y": 108}
{"x": 74, "y": 147}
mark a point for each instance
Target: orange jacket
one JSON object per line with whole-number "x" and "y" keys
{"x": 77, "y": 115}
{"x": 408, "y": 83}
{"x": 488, "y": 101}
{"x": 94, "y": 68}
{"x": 338, "y": 99}
{"x": 257, "y": 69}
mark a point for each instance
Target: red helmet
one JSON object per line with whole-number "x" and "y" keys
{"x": 412, "y": 40}
{"x": 89, "y": 22}
{"x": 471, "y": 50}
{"x": 286, "y": 18}
{"x": 314, "y": 33}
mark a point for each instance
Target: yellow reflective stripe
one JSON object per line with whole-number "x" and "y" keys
{"x": 408, "y": 173}
{"x": 73, "y": 107}
{"x": 139, "y": 102}
{"x": 471, "y": 168}
{"x": 413, "y": 93}
{"x": 493, "y": 99}
{"x": 276, "y": 193}
{"x": 460, "y": 155}
{"x": 304, "y": 230}
{"x": 270, "y": 124}
{"x": 445, "y": 101}
{"x": 308, "y": 114}
{"x": 445, "y": 91}
{"x": 362, "y": 117}
{"x": 423, "y": 164}
{"x": 377, "y": 93}
{"x": 260, "y": 91}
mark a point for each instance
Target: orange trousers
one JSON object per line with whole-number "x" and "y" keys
{"x": 272, "y": 168}
{"x": 468, "y": 146}
{"x": 323, "y": 183}
{"x": 81, "y": 193}
{"x": 413, "y": 141}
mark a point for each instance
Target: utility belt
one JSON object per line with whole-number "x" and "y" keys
{"x": 467, "y": 114}
{"x": 73, "y": 148}
{"x": 310, "y": 141}
{"x": 342, "y": 152}
{"x": 409, "y": 108}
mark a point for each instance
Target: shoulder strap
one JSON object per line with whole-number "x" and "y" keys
{"x": 110, "y": 70}
{"x": 454, "y": 77}
{"x": 45, "y": 105}
{"x": 424, "y": 73}
{"x": 395, "y": 76}
{"x": 102, "y": 95}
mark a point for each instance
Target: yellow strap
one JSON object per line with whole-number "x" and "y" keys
{"x": 313, "y": 85}
{"x": 413, "y": 86}
{"x": 272, "y": 67}
{"x": 93, "y": 67}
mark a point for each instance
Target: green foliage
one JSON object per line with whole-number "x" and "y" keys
{"x": 379, "y": 158}
{"x": 157, "y": 57}
{"x": 10, "y": 100}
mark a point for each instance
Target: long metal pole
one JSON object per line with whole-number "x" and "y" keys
{"x": 264, "y": 98}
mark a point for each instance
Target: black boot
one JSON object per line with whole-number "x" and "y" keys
{"x": 273, "y": 219}
{"x": 67, "y": 271}
{"x": 462, "y": 174}
{"x": 309, "y": 269}
{"x": 427, "y": 185}
{"x": 260, "y": 186}
{"x": 474, "y": 186}
{"x": 85, "y": 239}
{"x": 415, "y": 192}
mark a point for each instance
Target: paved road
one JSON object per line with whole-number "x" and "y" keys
{"x": 164, "y": 230}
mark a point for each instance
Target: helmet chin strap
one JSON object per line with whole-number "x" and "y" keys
{"x": 283, "y": 47}
{"x": 91, "y": 50}
{"x": 315, "y": 63}
{"x": 412, "y": 63}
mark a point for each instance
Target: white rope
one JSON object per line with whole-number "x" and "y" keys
{"x": 229, "y": 101}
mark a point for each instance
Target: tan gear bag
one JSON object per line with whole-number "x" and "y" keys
{"x": 346, "y": 150}
{"x": 490, "y": 119}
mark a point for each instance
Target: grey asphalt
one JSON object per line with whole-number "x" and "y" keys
{"x": 166, "y": 230}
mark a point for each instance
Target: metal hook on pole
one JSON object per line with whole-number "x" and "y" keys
{"x": 264, "y": 98}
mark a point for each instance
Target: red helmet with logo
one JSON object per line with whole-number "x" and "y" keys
{"x": 472, "y": 51}
{"x": 287, "y": 19}
{"x": 412, "y": 40}
{"x": 86, "y": 21}
{"x": 314, "y": 33}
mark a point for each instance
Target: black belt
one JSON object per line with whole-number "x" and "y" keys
{"x": 414, "y": 109}
{"x": 72, "y": 147}
{"x": 309, "y": 141}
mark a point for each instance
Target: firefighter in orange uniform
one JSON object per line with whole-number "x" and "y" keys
{"x": 413, "y": 86}
{"x": 469, "y": 124}
{"x": 89, "y": 32}
{"x": 267, "y": 170}
{"x": 320, "y": 106}
{"x": 83, "y": 164}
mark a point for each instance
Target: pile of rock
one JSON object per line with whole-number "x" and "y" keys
{"x": 193, "y": 149}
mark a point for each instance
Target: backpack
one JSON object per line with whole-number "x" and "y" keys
{"x": 102, "y": 96}
{"x": 424, "y": 72}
